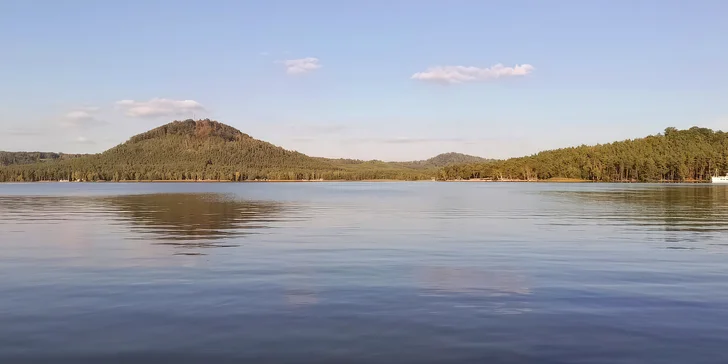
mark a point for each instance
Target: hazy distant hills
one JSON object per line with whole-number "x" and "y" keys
{"x": 440, "y": 160}
{"x": 446, "y": 159}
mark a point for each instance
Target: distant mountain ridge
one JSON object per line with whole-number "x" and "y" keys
{"x": 448, "y": 159}
{"x": 440, "y": 160}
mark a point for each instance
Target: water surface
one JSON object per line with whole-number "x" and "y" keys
{"x": 363, "y": 273}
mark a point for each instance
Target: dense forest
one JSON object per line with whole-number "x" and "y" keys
{"x": 676, "y": 155}
{"x": 8, "y": 158}
{"x": 194, "y": 150}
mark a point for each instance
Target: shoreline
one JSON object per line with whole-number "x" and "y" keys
{"x": 553, "y": 180}
{"x": 223, "y": 181}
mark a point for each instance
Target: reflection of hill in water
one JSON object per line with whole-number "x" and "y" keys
{"x": 182, "y": 220}
{"x": 693, "y": 212}
{"x": 193, "y": 217}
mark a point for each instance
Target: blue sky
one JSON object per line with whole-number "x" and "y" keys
{"x": 392, "y": 80}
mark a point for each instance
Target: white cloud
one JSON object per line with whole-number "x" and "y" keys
{"x": 460, "y": 74}
{"x": 412, "y": 140}
{"x": 303, "y": 65}
{"x": 83, "y": 140}
{"x": 82, "y": 117}
{"x": 409, "y": 140}
{"x": 159, "y": 107}
{"x": 79, "y": 115}
{"x": 317, "y": 129}
{"x": 396, "y": 140}
{"x": 26, "y": 131}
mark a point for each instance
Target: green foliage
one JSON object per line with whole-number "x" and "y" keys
{"x": 677, "y": 155}
{"x": 11, "y": 158}
{"x": 199, "y": 128}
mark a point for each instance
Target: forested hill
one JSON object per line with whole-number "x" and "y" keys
{"x": 200, "y": 150}
{"x": 676, "y": 155}
{"x": 181, "y": 150}
{"x": 9, "y": 158}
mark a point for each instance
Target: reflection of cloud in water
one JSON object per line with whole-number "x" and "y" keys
{"x": 496, "y": 292}
{"x": 472, "y": 281}
{"x": 301, "y": 297}
{"x": 193, "y": 220}
{"x": 300, "y": 289}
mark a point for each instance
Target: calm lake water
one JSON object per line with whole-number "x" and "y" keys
{"x": 363, "y": 273}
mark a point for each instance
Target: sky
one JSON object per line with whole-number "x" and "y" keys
{"x": 388, "y": 80}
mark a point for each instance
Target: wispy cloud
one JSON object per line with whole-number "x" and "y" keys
{"x": 408, "y": 140}
{"x": 460, "y": 74}
{"x": 319, "y": 129}
{"x": 397, "y": 140}
{"x": 305, "y": 139}
{"x": 264, "y": 53}
{"x": 25, "y": 132}
{"x": 83, "y": 140}
{"x": 78, "y": 115}
{"x": 411, "y": 140}
{"x": 302, "y": 65}
{"x": 159, "y": 107}
{"x": 82, "y": 117}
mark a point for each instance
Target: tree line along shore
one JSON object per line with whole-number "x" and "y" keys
{"x": 206, "y": 150}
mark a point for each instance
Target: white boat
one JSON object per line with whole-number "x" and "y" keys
{"x": 720, "y": 179}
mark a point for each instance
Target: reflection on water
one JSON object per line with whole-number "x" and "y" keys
{"x": 300, "y": 289}
{"x": 471, "y": 280}
{"x": 21, "y": 210}
{"x": 188, "y": 217}
{"x": 363, "y": 273}
{"x": 500, "y": 291}
{"x": 192, "y": 220}
{"x": 692, "y": 213}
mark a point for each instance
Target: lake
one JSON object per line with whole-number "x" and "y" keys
{"x": 363, "y": 273}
